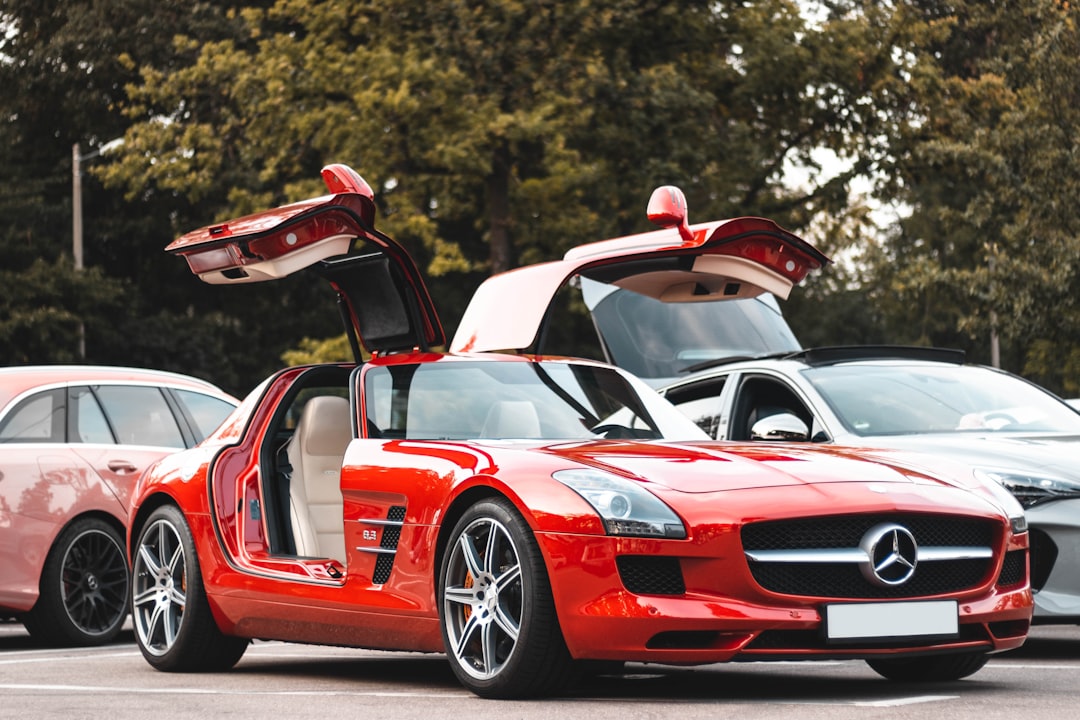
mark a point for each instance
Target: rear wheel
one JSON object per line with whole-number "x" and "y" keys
{"x": 84, "y": 587}
{"x": 174, "y": 627}
{"x": 497, "y": 613}
{"x": 939, "y": 668}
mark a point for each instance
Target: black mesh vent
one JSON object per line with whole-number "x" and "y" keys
{"x": 847, "y": 530}
{"x": 781, "y": 640}
{"x": 391, "y": 534}
{"x": 651, "y": 575}
{"x": 1012, "y": 570}
{"x": 1044, "y": 554}
{"x": 383, "y": 565}
{"x": 845, "y": 580}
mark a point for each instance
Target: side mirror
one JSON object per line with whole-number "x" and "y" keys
{"x": 667, "y": 208}
{"x": 783, "y": 426}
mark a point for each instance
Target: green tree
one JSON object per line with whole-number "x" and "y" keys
{"x": 982, "y": 121}
{"x": 502, "y": 132}
{"x": 63, "y": 67}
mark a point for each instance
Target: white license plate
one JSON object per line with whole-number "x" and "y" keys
{"x": 865, "y": 621}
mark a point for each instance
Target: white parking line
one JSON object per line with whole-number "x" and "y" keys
{"x": 46, "y": 657}
{"x": 1027, "y": 666}
{"x": 204, "y": 691}
{"x": 898, "y": 702}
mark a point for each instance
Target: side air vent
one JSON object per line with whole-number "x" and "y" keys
{"x": 651, "y": 575}
{"x": 388, "y": 543}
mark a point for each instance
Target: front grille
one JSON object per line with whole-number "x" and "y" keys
{"x": 846, "y": 580}
{"x": 651, "y": 575}
{"x": 839, "y": 531}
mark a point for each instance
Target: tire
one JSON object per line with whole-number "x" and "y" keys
{"x": 497, "y": 614}
{"x": 938, "y": 668}
{"x": 83, "y": 592}
{"x": 174, "y": 626}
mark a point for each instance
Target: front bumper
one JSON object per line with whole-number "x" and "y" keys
{"x": 735, "y": 619}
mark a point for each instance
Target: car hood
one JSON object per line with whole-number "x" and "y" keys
{"x": 1048, "y": 452}
{"x": 716, "y": 261}
{"x": 382, "y": 294}
{"x": 707, "y": 467}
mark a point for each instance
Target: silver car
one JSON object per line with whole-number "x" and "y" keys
{"x": 737, "y": 370}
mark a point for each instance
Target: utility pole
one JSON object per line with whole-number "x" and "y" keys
{"x": 77, "y": 229}
{"x": 77, "y": 215}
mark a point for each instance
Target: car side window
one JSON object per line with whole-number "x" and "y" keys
{"x": 760, "y": 397}
{"x": 422, "y": 402}
{"x": 87, "y": 419}
{"x": 140, "y": 415}
{"x": 701, "y": 403}
{"x": 206, "y": 412}
{"x": 36, "y": 419}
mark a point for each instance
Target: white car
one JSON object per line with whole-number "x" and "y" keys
{"x": 73, "y": 442}
{"x": 738, "y": 371}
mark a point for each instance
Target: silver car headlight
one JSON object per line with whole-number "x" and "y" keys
{"x": 1031, "y": 488}
{"x": 625, "y": 507}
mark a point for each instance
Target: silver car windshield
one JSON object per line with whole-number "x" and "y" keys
{"x": 898, "y": 399}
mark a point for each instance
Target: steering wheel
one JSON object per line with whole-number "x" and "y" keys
{"x": 1003, "y": 418}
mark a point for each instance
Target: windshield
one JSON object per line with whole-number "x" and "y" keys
{"x": 897, "y": 399}
{"x": 548, "y": 400}
{"x": 654, "y": 339}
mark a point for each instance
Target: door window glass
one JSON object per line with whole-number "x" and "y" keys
{"x": 88, "y": 419}
{"x": 38, "y": 418}
{"x": 206, "y": 412}
{"x": 140, "y": 415}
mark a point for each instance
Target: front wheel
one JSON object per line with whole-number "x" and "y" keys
{"x": 83, "y": 597}
{"x": 497, "y": 613}
{"x": 939, "y": 668}
{"x": 174, "y": 627}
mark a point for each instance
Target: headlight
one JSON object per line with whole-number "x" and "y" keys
{"x": 625, "y": 507}
{"x": 1005, "y": 498}
{"x": 1031, "y": 488}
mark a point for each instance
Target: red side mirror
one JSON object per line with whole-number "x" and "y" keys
{"x": 667, "y": 208}
{"x": 341, "y": 178}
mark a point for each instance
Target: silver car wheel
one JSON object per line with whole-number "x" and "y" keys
{"x": 483, "y": 598}
{"x": 160, "y": 587}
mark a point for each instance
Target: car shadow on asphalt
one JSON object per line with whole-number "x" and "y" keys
{"x": 1049, "y": 642}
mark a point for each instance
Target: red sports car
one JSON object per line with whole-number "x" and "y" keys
{"x": 527, "y": 514}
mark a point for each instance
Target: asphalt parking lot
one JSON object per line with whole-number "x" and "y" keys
{"x": 295, "y": 681}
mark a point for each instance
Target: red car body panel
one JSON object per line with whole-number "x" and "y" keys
{"x": 731, "y": 258}
{"x": 716, "y": 488}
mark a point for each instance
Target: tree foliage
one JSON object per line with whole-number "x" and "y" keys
{"x": 500, "y": 132}
{"x": 983, "y": 121}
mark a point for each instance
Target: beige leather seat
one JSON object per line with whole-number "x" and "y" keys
{"x": 511, "y": 419}
{"x": 315, "y": 453}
